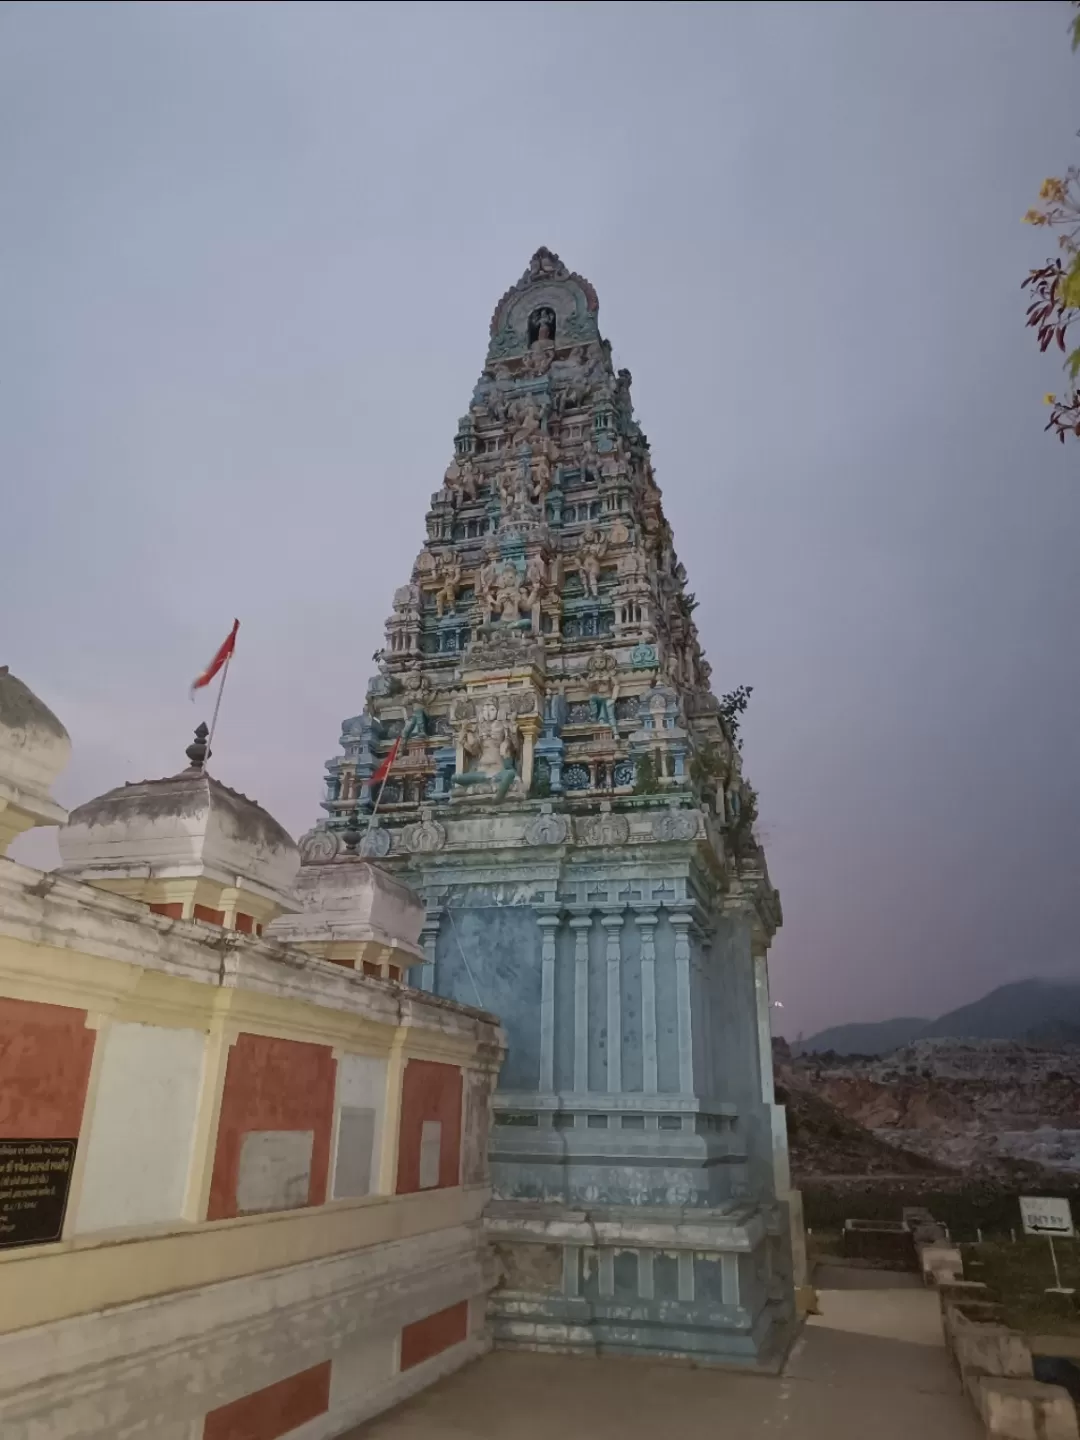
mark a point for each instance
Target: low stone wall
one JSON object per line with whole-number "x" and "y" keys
{"x": 996, "y": 1370}
{"x": 879, "y": 1242}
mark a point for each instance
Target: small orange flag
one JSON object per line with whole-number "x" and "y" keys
{"x": 223, "y": 654}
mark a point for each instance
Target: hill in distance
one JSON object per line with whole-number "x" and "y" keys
{"x": 1038, "y": 1012}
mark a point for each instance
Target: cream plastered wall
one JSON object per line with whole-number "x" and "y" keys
{"x": 140, "y": 1186}
{"x": 140, "y": 1135}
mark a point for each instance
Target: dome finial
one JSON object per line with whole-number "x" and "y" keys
{"x": 198, "y": 753}
{"x": 353, "y": 834}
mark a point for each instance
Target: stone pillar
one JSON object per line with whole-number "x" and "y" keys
{"x": 681, "y": 923}
{"x": 613, "y": 926}
{"x": 646, "y": 923}
{"x": 763, "y": 1008}
{"x": 777, "y": 1116}
{"x": 548, "y": 920}
{"x": 530, "y": 728}
{"x": 429, "y": 934}
{"x": 581, "y": 925}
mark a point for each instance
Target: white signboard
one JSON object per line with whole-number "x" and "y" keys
{"x": 1046, "y": 1215}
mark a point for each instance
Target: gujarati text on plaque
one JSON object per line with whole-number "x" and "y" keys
{"x": 35, "y": 1176}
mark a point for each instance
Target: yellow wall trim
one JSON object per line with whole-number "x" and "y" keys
{"x": 56, "y": 1282}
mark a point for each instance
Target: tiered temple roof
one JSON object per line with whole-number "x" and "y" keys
{"x": 544, "y": 647}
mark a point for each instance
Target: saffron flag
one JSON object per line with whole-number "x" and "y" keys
{"x": 223, "y": 654}
{"x": 384, "y": 769}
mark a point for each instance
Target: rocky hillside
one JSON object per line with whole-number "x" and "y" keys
{"x": 1035, "y": 1012}
{"x": 827, "y": 1144}
{"x": 964, "y": 1105}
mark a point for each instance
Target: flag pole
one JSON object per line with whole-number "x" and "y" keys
{"x": 382, "y": 787}
{"x": 217, "y": 703}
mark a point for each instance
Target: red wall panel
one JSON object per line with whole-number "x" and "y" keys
{"x": 266, "y": 1414}
{"x": 427, "y": 1337}
{"x": 173, "y": 910}
{"x": 45, "y": 1055}
{"x": 429, "y": 1091}
{"x": 272, "y": 1085}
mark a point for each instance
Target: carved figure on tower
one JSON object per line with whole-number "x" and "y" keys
{"x": 488, "y": 744}
{"x": 487, "y": 582}
{"x": 603, "y": 674}
{"x": 536, "y": 580}
{"x": 509, "y": 593}
{"x": 449, "y": 576}
{"x": 590, "y": 558}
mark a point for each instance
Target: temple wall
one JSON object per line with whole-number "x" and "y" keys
{"x": 240, "y": 1187}
{"x": 489, "y": 956}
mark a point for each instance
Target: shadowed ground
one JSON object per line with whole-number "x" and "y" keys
{"x": 872, "y": 1363}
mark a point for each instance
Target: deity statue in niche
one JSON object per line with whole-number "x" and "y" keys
{"x": 487, "y": 582}
{"x": 588, "y": 455}
{"x": 452, "y": 481}
{"x": 489, "y": 749}
{"x": 542, "y": 474}
{"x": 416, "y": 684}
{"x": 541, "y": 326}
{"x": 508, "y": 595}
{"x": 604, "y": 679}
{"x": 469, "y": 478}
{"x": 524, "y": 415}
{"x": 538, "y": 360}
{"x": 460, "y": 480}
{"x": 504, "y": 483}
{"x": 418, "y": 692}
{"x": 536, "y": 580}
{"x": 449, "y": 576}
{"x": 590, "y": 558}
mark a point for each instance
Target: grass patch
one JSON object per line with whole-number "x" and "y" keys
{"x": 1020, "y": 1274}
{"x": 964, "y": 1204}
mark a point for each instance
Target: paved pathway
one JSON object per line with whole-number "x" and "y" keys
{"x": 871, "y": 1365}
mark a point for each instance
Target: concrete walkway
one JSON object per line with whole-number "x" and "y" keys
{"x": 871, "y": 1365}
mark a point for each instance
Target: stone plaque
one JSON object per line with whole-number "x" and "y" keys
{"x": 430, "y": 1153}
{"x": 275, "y": 1170}
{"x": 35, "y": 1176}
{"x": 356, "y": 1138}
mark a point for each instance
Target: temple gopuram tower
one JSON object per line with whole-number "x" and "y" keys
{"x": 567, "y": 797}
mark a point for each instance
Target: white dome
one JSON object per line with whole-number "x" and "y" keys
{"x": 34, "y": 746}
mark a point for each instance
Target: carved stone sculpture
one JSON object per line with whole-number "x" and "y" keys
{"x": 603, "y": 678}
{"x": 548, "y": 829}
{"x": 319, "y": 847}
{"x": 426, "y": 836}
{"x": 604, "y": 829}
{"x": 590, "y": 555}
{"x": 449, "y": 576}
{"x": 509, "y": 593}
{"x": 489, "y": 746}
{"x": 487, "y": 583}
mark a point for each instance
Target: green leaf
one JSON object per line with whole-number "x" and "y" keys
{"x": 1072, "y": 364}
{"x": 1070, "y": 286}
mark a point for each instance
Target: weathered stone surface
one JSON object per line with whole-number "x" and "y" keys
{"x": 982, "y": 1349}
{"x": 532, "y": 1268}
{"x": 940, "y": 1263}
{"x": 275, "y": 1170}
{"x": 1025, "y": 1409}
{"x": 34, "y": 748}
{"x": 103, "y": 1375}
{"x": 355, "y": 1146}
